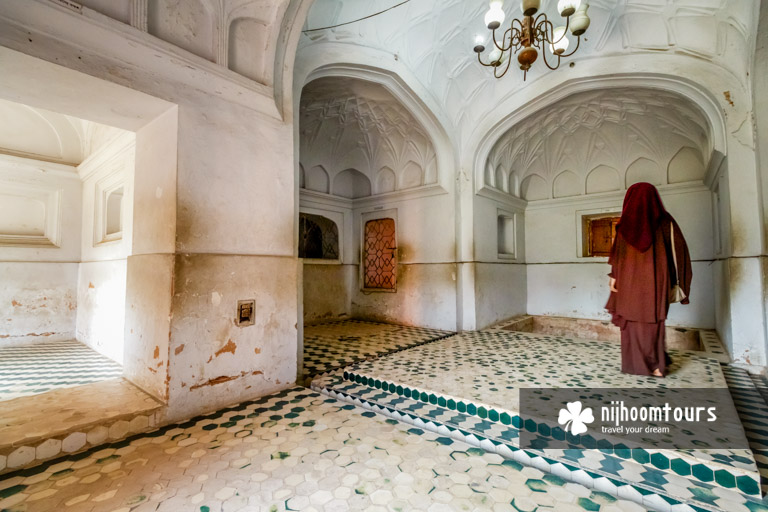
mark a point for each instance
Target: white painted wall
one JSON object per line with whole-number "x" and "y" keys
{"x": 38, "y": 284}
{"x": 561, "y": 283}
{"x": 102, "y": 278}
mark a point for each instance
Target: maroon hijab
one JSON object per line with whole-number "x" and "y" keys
{"x": 642, "y": 213}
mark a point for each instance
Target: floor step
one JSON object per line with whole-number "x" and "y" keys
{"x": 405, "y": 388}
{"x": 37, "y": 428}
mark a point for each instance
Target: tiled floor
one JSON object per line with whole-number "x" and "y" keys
{"x": 428, "y": 385}
{"x": 332, "y": 345}
{"x": 297, "y": 450}
{"x": 39, "y": 368}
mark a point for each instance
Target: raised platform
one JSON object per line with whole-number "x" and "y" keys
{"x": 678, "y": 338}
{"x": 332, "y": 345}
{"x": 467, "y": 387}
{"x": 44, "y": 426}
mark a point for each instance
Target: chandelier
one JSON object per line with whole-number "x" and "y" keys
{"x": 523, "y": 37}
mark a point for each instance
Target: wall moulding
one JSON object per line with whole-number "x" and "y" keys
{"x": 613, "y": 198}
{"x": 33, "y": 217}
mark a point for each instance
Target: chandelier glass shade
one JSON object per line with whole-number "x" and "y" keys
{"x": 531, "y": 35}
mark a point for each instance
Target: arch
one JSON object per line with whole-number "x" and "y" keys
{"x": 686, "y": 165}
{"x": 351, "y": 184}
{"x": 566, "y": 184}
{"x": 501, "y": 178}
{"x": 386, "y": 181}
{"x": 318, "y": 61}
{"x": 490, "y": 178}
{"x": 603, "y": 179}
{"x": 412, "y": 175}
{"x": 484, "y": 140}
{"x": 644, "y": 169}
{"x": 534, "y": 188}
{"x": 514, "y": 183}
{"x": 317, "y": 179}
{"x": 302, "y": 176}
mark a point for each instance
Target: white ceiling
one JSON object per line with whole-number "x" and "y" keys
{"x": 39, "y": 134}
{"x": 618, "y": 133}
{"x": 434, "y": 39}
{"x": 348, "y": 123}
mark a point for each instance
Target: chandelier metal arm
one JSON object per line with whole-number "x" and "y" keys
{"x": 496, "y": 69}
{"x": 578, "y": 42}
{"x": 547, "y": 62}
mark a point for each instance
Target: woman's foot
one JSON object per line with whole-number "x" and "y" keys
{"x": 657, "y": 373}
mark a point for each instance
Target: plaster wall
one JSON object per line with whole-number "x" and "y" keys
{"x": 39, "y": 269}
{"x": 562, "y": 283}
{"x": 102, "y": 277}
{"x": 500, "y": 277}
{"x": 501, "y": 292}
{"x": 38, "y": 301}
{"x": 234, "y": 235}
{"x": 328, "y": 290}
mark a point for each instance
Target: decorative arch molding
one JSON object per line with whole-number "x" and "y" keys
{"x": 694, "y": 92}
{"x": 336, "y": 60}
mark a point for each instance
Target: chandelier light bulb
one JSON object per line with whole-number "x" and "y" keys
{"x": 495, "y": 57}
{"x": 568, "y": 7}
{"x": 479, "y": 43}
{"x": 560, "y": 44}
{"x": 580, "y": 20}
{"x": 529, "y": 7}
{"x": 495, "y": 16}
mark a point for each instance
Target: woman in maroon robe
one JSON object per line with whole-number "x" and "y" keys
{"x": 642, "y": 274}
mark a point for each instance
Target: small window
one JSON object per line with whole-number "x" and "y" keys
{"x": 114, "y": 210}
{"x": 380, "y": 255}
{"x": 318, "y": 237}
{"x": 599, "y": 232}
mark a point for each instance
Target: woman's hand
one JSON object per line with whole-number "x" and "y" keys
{"x": 613, "y": 285}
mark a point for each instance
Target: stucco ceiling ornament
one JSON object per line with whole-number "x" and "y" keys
{"x": 523, "y": 37}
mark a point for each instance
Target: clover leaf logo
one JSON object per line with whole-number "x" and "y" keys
{"x": 575, "y": 418}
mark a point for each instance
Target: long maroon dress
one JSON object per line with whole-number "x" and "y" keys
{"x": 641, "y": 262}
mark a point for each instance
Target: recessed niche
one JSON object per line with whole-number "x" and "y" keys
{"x": 114, "y": 212}
{"x": 318, "y": 237}
{"x": 29, "y": 215}
{"x": 506, "y": 235}
{"x": 598, "y": 232}
{"x": 109, "y": 210}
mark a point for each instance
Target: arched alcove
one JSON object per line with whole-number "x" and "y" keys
{"x": 534, "y": 188}
{"x": 566, "y": 184}
{"x": 686, "y": 165}
{"x": 247, "y": 39}
{"x": 386, "y": 181}
{"x": 644, "y": 169}
{"x": 412, "y": 175}
{"x": 317, "y": 179}
{"x": 351, "y": 184}
{"x": 603, "y": 179}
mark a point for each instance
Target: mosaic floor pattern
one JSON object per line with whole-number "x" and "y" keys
{"x": 482, "y": 372}
{"x": 296, "y": 450}
{"x": 333, "y": 345}
{"x": 39, "y": 368}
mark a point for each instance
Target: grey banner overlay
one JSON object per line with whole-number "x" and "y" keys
{"x": 658, "y": 418}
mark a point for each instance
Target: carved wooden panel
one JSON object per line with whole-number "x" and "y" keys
{"x": 380, "y": 255}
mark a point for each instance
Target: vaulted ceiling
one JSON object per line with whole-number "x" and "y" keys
{"x": 40, "y": 134}
{"x": 435, "y": 39}
{"x": 348, "y": 124}
{"x": 595, "y": 142}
